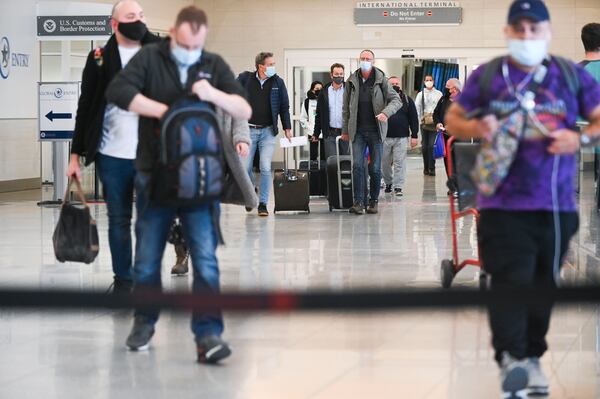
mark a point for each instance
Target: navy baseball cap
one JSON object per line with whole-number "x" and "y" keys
{"x": 533, "y": 9}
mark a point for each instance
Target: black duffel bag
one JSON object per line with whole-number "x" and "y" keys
{"x": 75, "y": 237}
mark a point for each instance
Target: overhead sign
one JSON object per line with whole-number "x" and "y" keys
{"x": 390, "y": 13}
{"x": 76, "y": 25}
{"x": 58, "y": 106}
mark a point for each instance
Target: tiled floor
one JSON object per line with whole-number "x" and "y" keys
{"x": 418, "y": 354}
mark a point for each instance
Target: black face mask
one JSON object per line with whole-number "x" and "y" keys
{"x": 133, "y": 30}
{"x": 317, "y": 93}
{"x": 338, "y": 80}
{"x": 446, "y": 92}
{"x": 396, "y": 89}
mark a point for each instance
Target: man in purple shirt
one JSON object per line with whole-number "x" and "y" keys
{"x": 526, "y": 224}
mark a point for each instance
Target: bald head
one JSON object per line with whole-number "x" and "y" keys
{"x": 127, "y": 11}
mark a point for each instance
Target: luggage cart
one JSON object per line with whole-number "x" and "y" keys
{"x": 460, "y": 164}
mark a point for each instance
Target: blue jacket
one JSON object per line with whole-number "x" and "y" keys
{"x": 280, "y": 103}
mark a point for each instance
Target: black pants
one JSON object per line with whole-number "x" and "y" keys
{"x": 517, "y": 249}
{"x": 427, "y": 140}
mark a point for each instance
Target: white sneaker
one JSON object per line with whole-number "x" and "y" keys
{"x": 538, "y": 383}
{"x": 513, "y": 377}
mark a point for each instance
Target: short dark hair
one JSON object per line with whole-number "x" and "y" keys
{"x": 369, "y": 51}
{"x": 428, "y": 76}
{"x": 193, "y": 16}
{"x": 313, "y": 84}
{"x": 261, "y": 57}
{"x": 336, "y": 65}
{"x": 590, "y": 36}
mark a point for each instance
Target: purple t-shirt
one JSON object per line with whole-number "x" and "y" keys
{"x": 527, "y": 187}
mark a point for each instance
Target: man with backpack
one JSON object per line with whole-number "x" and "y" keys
{"x": 524, "y": 108}
{"x": 107, "y": 135}
{"x": 162, "y": 75}
{"x": 369, "y": 100}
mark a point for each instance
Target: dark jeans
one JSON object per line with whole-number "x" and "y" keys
{"x": 427, "y": 140}
{"x": 517, "y": 249}
{"x": 362, "y": 140}
{"x": 200, "y": 234}
{"x": 117, "y": 176}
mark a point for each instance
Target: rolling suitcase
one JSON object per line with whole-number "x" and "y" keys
{"x": 339, "y": 179}
{"x": 316, "y": 174}
{"x": 290, "y": 187}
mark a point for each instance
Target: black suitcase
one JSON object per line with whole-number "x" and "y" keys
{"x": 317, "y": 175}
{"x": 290, "y": 187}
{"x": 339, "y": 179}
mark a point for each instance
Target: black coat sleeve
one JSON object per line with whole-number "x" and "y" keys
{"x": 319, "y": 111}
{"x": 413, "y": 118}
{"x": 131, "y": 81}
{"x": 89, "y": 86}
{"x": 438, "y": 112}
{"x": 284, "y": 107}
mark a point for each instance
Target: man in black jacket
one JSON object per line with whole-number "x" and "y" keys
{"x": 328, "y": 119}
{"x": 107, "y": 135}
{"x": 268, "y": 97}
{"x": 403, "y": 123}
{"x": 159, "y": 75}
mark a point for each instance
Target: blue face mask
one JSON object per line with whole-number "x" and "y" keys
{"x": 366, "y": 66}
{"x": 270, "y": 71}
{"x": 185, "y": 57}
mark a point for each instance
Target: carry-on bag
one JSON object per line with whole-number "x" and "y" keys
{"x": 339, "y": 179}
{"x": 75, "y": 237}
{"x": 316, "y": 173}
{"x": 290, "y": 187}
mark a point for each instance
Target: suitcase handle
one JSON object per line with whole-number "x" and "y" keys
{"x": 339, "y": 168}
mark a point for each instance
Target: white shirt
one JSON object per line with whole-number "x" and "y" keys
{"x": 336, "y": 102}
{"x": 307, "y": 118}
{"x": 431, "y": 99}
{"x": 120, "y": 127}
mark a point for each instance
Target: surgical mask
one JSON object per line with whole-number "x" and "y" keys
{"x": 133, "y": 30}
{"x": 366, "y": 66}
{"x": 338, "y": 80}
{"x": 270, "y": 71}
{"x": 429, "y": 84}
{"x": 528, "y": 52}
{"x": 186, "y": 57}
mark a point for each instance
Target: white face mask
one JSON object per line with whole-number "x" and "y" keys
{"x": 186, "y": 57}
{"x": 270, "y": 71}
{"x": 366, "y": 66}
{"x": 528, "y": 52}
{"x": 429, "y": 84}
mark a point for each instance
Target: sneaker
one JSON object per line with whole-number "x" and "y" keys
{"x": 388, "y": 188}
{"x": 398, "y": 192}
{"x": 262, "y": 210}
{"x": 211, "y": 349}
{"x": 121, "y": 286}
{"x": 139, "y": 337}
{"x": 538, "y": 383}
{"x": 248, "y": 209}
{"x": 357, "y": 209}
{"x": 514, "y": 377}
{"x": 372, "y": 209}
{"x": 181, "y": 264}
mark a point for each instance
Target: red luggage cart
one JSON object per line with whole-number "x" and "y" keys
{"x": 460, "y": 209}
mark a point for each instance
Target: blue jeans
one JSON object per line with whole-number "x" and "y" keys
{"x": 263, "y": 140}
{"x": 362, "y": 140}
{"x": 200, "y": 234}
{"x": 117, "y": 176}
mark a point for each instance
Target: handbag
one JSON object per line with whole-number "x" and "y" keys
{"x": 439, "y": 145}
{"x": 75, "y": 237}
{"x": 427, "y": 120}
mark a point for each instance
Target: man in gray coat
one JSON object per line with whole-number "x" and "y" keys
{"x": 369, "y": 100}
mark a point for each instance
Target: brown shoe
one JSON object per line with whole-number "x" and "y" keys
{"x": 357, "y": 209}
{"x": 181, "y": 265}
{"x": 372, "y": 209}
{"x": 262, "y": 210}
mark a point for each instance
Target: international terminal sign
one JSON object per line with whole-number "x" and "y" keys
{"x": 394, "y": 13}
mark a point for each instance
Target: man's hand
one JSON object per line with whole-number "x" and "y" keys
{"x": 288, "y": 134}
{"x": 204, "y": 90}
{"x": 413, "y": 142}
{"x": 487, "y": 126}
{"x": 382, "y": 117}
{"x": 74, "y": 170}
{"x": 565, "y": 142}
{"x": 314, "y": 138}
{"x": 345, "y": 137}
{"x": 242, "y": 149}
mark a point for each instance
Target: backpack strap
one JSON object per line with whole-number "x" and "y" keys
{"x": 306, "y": 105}
{"x": 570, "y": 74}
{"x": 488, "y": 75}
